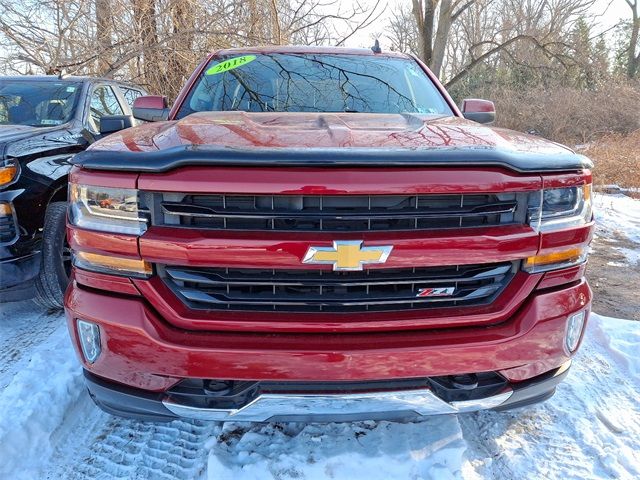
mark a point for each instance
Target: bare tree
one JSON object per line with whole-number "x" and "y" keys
{"x": 432, "y": 36}
{"x": 103, "y": 34}
{"x": 633, "y": 58}
{"x": 454, "y": 37}
{"x": 401, "y": 30}
{"x": 156, "y": 43}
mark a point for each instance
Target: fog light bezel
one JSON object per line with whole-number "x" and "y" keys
{"x": 96, "y": 342}
{"x": 573, "y": 332}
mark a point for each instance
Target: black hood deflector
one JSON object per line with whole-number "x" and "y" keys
{"x": 182, "y": 156}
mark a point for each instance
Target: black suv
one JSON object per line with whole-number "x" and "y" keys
{"x": 44, "y": 121}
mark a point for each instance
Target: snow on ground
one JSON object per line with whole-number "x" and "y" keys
{"x": 49, "y": 428}
{"x": 589, "y": 429}
{"x": 617, "y": 215}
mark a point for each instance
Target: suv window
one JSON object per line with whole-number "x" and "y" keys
{"x": 314, "y": 83}
{"x": 130, "y": 94}
{"x": 103, "y": 102}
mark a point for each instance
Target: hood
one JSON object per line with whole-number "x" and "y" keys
{"x": 23, "y": 140}
{"x": 340, "y": 139}
{"x": 10, "y": 133}
{"x": 325, "y": 130}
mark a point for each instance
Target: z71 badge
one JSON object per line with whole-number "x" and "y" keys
{"x": 436, "y": 292}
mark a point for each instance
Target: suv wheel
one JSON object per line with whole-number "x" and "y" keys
{"x": 56, "y": 258}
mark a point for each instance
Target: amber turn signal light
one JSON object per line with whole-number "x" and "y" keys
{"x": 109, "y": 264}
{"x": 554, "y": 260}
{"x": 7, "y": 174}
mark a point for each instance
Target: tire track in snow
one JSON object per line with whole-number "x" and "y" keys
{"x": 129, "y": 449}
{"x": 22, "y": 327}
{"x": 70, "y": 438}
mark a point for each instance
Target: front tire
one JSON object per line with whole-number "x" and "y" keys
{"x": 55, "y": 267}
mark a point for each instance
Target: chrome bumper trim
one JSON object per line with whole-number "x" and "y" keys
{"x": 343, "y": 407}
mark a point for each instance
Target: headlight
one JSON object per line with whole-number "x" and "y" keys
{"x": 8, "y": 172}
{"x": 106, "y": 209}
{"x": 558, "y": 208}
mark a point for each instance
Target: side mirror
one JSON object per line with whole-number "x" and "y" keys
{"x": 151, "y": 108}
{"x": 481, "y": 111}
{"x": 115, "y": 123}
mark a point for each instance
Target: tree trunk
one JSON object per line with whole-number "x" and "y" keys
{"x": 180, "y": 46}
{"x": 633, "y": 59}
{"x": 275, "y": 24}
{"x": 145, "y": 15}
{"x": 445, "y": 20}
{"x": 425, "y": 18}
{"x": 103, "y": 35}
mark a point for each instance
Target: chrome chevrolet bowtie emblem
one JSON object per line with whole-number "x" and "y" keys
{"x": 347, "y": 255}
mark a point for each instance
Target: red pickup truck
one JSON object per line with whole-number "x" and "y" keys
{"x": 320, "y": 234}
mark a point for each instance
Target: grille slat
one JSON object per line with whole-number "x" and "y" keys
{"x": 326, "y": 301}
{"x": 205, "y": 212}
{"x": 337, "y": 213}
{"x": 293, "y": 280}
{"x": 8, "y": 230}
{"x": 318, "y": 290}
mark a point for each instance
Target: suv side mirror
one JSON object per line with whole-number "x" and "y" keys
{"x": 151, "y": 108}
{"x": 481, "y": 111}
{"x": 115, "y": 123}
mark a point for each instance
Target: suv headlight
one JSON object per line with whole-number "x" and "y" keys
{"x": 106, "y": 209}
{"x": 558, "y": 208}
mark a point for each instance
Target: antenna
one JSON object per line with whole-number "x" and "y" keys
{"x": 376, "y": 47}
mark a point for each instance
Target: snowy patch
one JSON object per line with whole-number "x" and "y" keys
{"x": 617, "y": 264}
{"x": 618, "y": 215}
{"x": 35, "y": 404}
{"x": 632, "y": 255}
{"x": 433, "y": 448}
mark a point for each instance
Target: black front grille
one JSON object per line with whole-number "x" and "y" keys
{"x": 7, "y": 229}
{"x": 334, "y": 213}
{"x": 329, "y": 291}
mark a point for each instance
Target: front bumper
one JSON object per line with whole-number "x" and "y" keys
{"x": 326, "y": 407}
{"x": 144, "y": 359}
{"x": 140, "y": 349}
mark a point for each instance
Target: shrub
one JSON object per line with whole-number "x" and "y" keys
{"x": 617, "y": 160}
{"x": 567, "y": 115}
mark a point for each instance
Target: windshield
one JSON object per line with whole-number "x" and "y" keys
{"x": 314, "y": 83}
{"x": 37, "y": 103}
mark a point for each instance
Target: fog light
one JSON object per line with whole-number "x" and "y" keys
{"x": 574, "y": 329}
{"x": 89, "y": 334}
